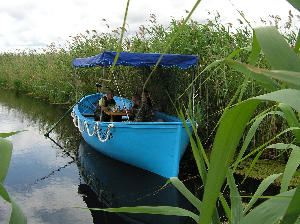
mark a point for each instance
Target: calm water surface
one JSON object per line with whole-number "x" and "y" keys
{"x": 49, "y": 178}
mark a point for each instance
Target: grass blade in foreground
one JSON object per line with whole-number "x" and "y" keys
{"x": 4, "y": 194}
{"x": 17, "y": 216}
{"x": 235, "y": 199}
{"x": 291, "y": 119}
{"x": 295, "y": 3}
{"x": 185, "y": 192}
{"x": 231, "y": 128}
{"x": 290, "y": 168}
{"x": 292, "y": 164}
{"x": 232, "y": 125}
{"x": 270, "y": 211}
{"x": 5, "y": 135}
{"x": 158, "y": 210}
{"x": 293, "y": 210}
{"x": 5, "y": 155}
{"x": 260, "y": 190}
{"x": 262, "y": 75}
{"x": 276, "y": 49}
{"x": 249, "y": 137}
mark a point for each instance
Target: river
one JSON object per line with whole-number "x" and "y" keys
{"x": 51, "y": 179}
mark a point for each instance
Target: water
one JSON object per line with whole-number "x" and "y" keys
{"x": 49, "y": 178}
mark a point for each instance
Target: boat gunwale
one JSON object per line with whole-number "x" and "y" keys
{"x": 131, "y": 124}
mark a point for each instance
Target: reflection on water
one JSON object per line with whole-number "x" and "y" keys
{"x": 41, "y": 177}
{"x": 117, "y": 184}
{"x": 47, "y": 180}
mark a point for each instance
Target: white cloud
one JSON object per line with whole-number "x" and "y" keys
{"x": 34, "y": 23}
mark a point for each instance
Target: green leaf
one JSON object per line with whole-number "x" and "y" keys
{"x": 262, "y": 75}
{"x": 255, "y": 51}
{"x": 260, "y": 190}
{"x": 297, "y": 45}
{"x": 291, "y": 118}
{"x": 225, "y": 207}
{"x": 250, "y": 135}
{"x": 231, "y": 128}
{"x": 253, "y": 163}
{"x": 186, "y": 193}
{"x": 277, "y": 50}
{"x": 159, "y": 210}
{"x": 4, "y": 194}
{"x": 268, "y": 142}
{"x": 196, "y": 152}
{"x": 292, "y": 164}
{"x": 293, "y": 211}
{"x": 235, "y": 199}
{"x": 245, "y": 69}
{"x": 17, "y": 216}
{"x": 288, "y": 96}
{"x": 121, "y": 38}
{"x": 270, "y": 211}
{"x": 295, "y": 3}
{"x": 5, "y": 135}
{"x": 5, "y": 156}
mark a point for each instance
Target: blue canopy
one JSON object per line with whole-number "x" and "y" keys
{"x": 137, "y": 59}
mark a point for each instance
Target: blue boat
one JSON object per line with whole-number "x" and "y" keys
{"x": 156, "y": 146}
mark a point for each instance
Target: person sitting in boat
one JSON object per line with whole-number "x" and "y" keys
{"x": 144, "y": 113}
{"x": 136, "y": 99}
{"x": 145, "y": 94}
{"x": 106, "y": 103}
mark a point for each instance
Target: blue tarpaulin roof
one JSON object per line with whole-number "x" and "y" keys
{"x": 137, "y": 59}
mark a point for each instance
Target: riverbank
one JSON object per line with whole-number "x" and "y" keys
{"x": 264, "y": 168}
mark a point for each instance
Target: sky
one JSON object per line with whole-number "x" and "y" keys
{"x": 35, "y": 24}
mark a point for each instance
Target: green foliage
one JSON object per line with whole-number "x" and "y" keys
{"x": 17, "y": 215}
{"x": 6, "y": 147}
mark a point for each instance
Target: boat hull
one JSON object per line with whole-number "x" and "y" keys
{"x": 153, "y": 146}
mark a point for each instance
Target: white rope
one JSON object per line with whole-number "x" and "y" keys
{"x": 79, "y": 125}
{"x": 77, "y": 122}
{"x": 107, "y": 132}
{"x": 74, "y": 118}
{"x": 88, "y": 129}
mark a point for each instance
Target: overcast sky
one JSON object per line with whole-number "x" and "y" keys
{"x": 33, "y": 24}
